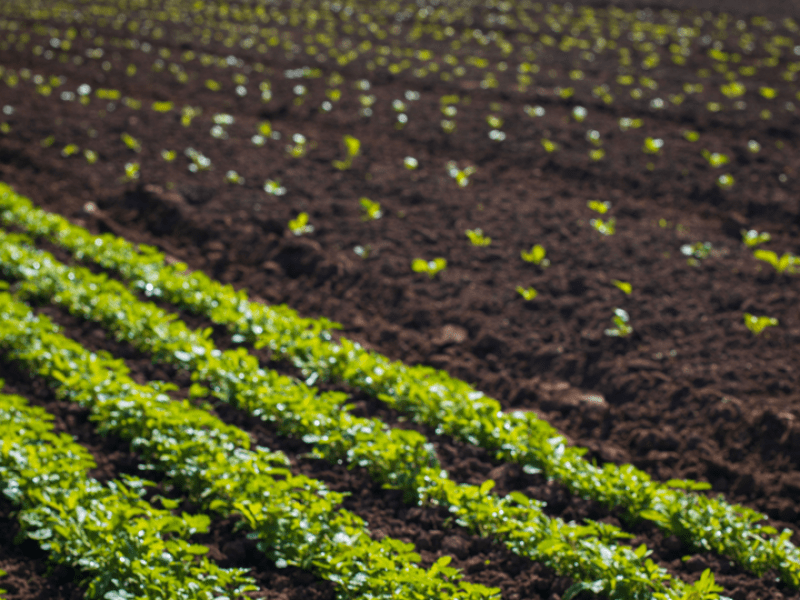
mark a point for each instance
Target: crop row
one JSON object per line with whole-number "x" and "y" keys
{"x": 126, "y": 548}
{"x": 431, "y": 397}
{"x": 397, "y": 458}
{"x": 294, "y": 517}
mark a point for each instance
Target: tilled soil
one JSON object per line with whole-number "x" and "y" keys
{"x": 690, "y": 394}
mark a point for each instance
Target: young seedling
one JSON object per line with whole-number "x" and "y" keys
{"x": 715, "y": 159}
{"x": 460, "y": 175}
{"x": 605, "y": 227}
{"x": 352, "y": 147}
{"x": 299, "y": 148}
{"x": 477, "y": 238}
{"x": 169, "y": 155}
{"x": 691, "y": 136}
{"x": 621, "y": 327}
{"x": 725, "y": 181}
{"x": 652, "y": 145}
{"x": 788, "y": 263}
{"x": 536, "y": 256}
{"x": 623, "y": 285}
{"x": 370, "y": 211}
{"x": 528, "y": 293}
{"x": 754, "y": 146}
{"x": 300, "y": 226}
{"x": 597, "y": 206}
{"x": 431, "y": 267}
{"x": 131, "y": 171}
{"x": 234, "y": 177}
{"x": 274, "y": 188}
{"x": 410, "y": 163}
{"x": 752, "y": 238}
{"x": 758, "y": 324}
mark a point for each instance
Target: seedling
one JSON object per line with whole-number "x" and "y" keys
{"x": 274, "y": 188}
{"x": 431, "y": 267}
{"x": 131, "y": 171}
{"x": 169, "y": 155}
{"x": 699, "y": 250}
{"x": 460, "y": 175}
{"x": 528, "y": 293}
{"x": 691, "y": 136}
{"x": 753, "y": 146}
{"x": 626, "y": 123}
{"x": 69, "y": 150}
{"x": 534, "y": 111}
{"x": 597, "y": 206}
{"x": 652, "y": 145}
{"x": 199, "y": 161}
{"x": 300, "y": 147}
{"x": 363, "y": 251}
{"x": 188, "y": 113}
{"x": 758, "y": 324}
{"x": 579, "y": 113}
{"x": 752, "y": 238}
{"x": 91, "y": 156}
{"x": 477, "y": 238}
{"x": 621, "y": 327}
{"x": 788, "y": 263}
{"x": 725, "y": 181}
{"x": 623, "y": 285}
{"x": 410, "y": 163}
{"x": 300, "y": 226}
{"x": 234, "y": 177}
{"x": 604, "y": 227}
{"x": 549, "y": 145}
{"x": 536, "y": 256}
{"x": 352, "y": 147}
{"x": 371, "y": 211}
{"x": 715, "y": 159}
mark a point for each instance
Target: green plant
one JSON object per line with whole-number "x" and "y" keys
{"x": 131, "y": 171}
{"x": 788, "y": 263}
{"x": 352, "y": 148}
{"x": 691, "y": 136}
{"x": 725, "y": 181}
{"x": 621, "y": 327}
{"x": 752, "y": 238}
{"x": 169, "y": 155}
{"x": 234, "y": 177}
{"x": 528, "y": 293}
{"x": 604, "y": 227}
{"x": 536, "y": 255}
{"x": 549, "y": 146}
{"x": 623, "y": 285}
{"x": 652, "y": 145}
{"x": 715, "y": 159}
{"x": 431, "y": 267}
{"x": 274, "y": 188}
{"x": 410, "y": 163}
{"x": 131, "y": 142}
{"x": 477, "y": 238}
{"x": 299, "y": 225}
{"x": 460, "y": 175}
{"x": 597, "y": 206}
{"x": 370, "y": 211}
{"x": 758, "y": 324}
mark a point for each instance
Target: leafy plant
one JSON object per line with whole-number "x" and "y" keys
{"x": 758, "y": 324}
{"x": 477, "y": 238}
{"x": 604, "y": 227}
{"x": 528, "y": 293}
{"x": 370, "y": 211}
{"x": 431, "y": 267}
{"x": 621, "y": 327}
{"x": 536, "y": 255}
{"x": 299, "y": 225}
{"x": 788, "y": 263}
{"x": 352, "y": 148}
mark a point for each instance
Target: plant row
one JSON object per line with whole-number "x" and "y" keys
{"x": 432, "y": 397}
{"x": 125, "y": 548}
{"x": 397, "y": 458}
{"x": 294, "y": 517}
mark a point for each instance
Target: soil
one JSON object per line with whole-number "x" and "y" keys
{"x": 690, "y": 394}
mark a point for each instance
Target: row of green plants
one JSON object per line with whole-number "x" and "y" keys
{"x": 294, "y": 518}
{"x": 124, "y": 547}
{"x": 432, "y": 397}
{"x": 396, "y": 458}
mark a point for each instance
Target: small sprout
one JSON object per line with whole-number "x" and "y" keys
{"x": 536, "y": 256}
{"x": 691, "y": 136}
{"x": 626, "y": 123}
{"x": 363, "y": 251}
{"x": 494, "y": 122}
{"x": 299, "y": 149}
{"x": 753, "y": 146}
{"x": 371, "y": 211}
{"x": 274, "y": 188}
{"x": 234, "y": 177}
{"x": 131, "y": 171}
{"x": 597, "y": 154}
{"x": 212, "y": 85}
{"x": 623, "y": 285}
{"x": 768, "y": 92}
{"x": 300, "y": 225}
{"x": 579, "y": 113}
{"x": 411, "y": 95}
{"x": 162, "y": 107}
{"x": 69, "y": 150}
{"x": 477, "y": 238}
{"x": 653, "y": 145}
{"x": 606, "y": 228}
{"x": 725, "y": 181}
{"x": 460, "y": 175}
{"x": 218, "y": 132}
{"x": 549, "y": 146}
{"x": 352, "y": 148}
{"x": 399, "y": 106}
{"x": 752, "y": 238}
{"x": 131, "y": 142}
{"x": 597, "y": 206}
{"x": 758, "y": 324}
{"x": 91, "y": 156}
{"x": 620, "y": 320}
{"x": 527, "y": 293}
{"x": 48, "y": 141}
{"x": 199, "y": 161}
{"x": 411, "y": 163}
{"x": 188, "y": 113}
{"x": 786, "y": 263}
{"x": 258, "y": 140}
{"x": 5, "y": 128}
{"x": 169, "y": 155}
{"x": 593, "y": 137}
{"x": 715, "y": 159}
{"x": 448, "y": 125}
{"x": 534, "y": 111}
{"x": 431, "y": 267}
{"x": 497, "y": 135}
{"x": 699, "y": 250}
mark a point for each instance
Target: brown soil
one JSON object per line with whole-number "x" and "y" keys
{"x": 691, "y": 394}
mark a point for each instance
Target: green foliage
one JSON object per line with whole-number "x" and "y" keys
{"x": 299, "y": 225}
{"x": 536, "y": 256}
{"x": 715, "y": 159}
{"x": 621, "y": 327}
{"x": 752, "y": 238}
{"x": 652, "y": 145}
{"x": 597, "y": 206}
{"x": 431, "y": 267}
{"x": 477, "y": 238}
{"x": 370, "y": 211}
{"x": 352, "y": 148}
{"x": 528, "y": 293}
{"x": 788, "y": 263}
{"x": 605, "y": 227}
{"x": 758, "y": 324}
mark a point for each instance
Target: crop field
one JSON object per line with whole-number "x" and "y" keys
{"x": 354, "y": 300}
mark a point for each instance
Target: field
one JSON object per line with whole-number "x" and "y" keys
{"x": 399, "y": 300}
